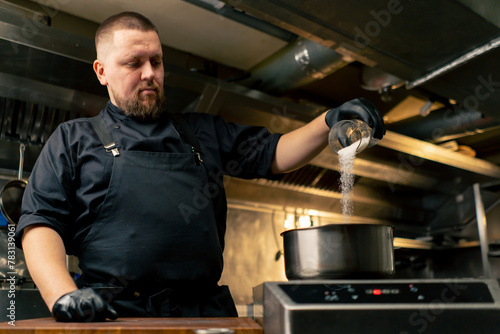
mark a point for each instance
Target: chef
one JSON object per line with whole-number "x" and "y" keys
{"x": 137, "y": 193}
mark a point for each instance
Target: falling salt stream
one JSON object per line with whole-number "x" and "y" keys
{"x": 346, "y": 161}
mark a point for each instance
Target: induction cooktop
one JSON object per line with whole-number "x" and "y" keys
{"x": 378, "y": 306}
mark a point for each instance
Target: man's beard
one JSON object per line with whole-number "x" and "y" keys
{"x": 136, "y": 109}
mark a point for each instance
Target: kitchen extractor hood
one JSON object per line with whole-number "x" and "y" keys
{"x": 449, "y": 48}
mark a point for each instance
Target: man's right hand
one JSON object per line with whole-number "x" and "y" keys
{"x": 83, "y": 305}
{"x": 362, "y": 109}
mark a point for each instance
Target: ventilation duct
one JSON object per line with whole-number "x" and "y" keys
{"x": 297, "y": 64}
{"x": 445, "y": 124}
{"x": 375, "y": 79}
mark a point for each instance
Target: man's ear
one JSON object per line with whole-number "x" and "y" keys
{"x": 99, "y": 71}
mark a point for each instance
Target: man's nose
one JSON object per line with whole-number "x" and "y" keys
{"x": 147, "y": 71}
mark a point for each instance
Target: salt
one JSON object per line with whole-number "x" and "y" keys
{"x": 346, "y": 160}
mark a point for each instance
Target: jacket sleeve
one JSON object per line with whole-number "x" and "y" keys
{"x": 47, "y": 198}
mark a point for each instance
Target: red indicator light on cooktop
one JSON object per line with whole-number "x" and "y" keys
{"x": 377, "y": 292}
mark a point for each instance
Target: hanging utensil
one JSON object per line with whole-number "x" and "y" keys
{"x": 12, "y": 193}
{"x": 278, "y": 254}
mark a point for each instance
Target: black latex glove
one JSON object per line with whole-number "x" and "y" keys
{"x": 83, "y": 305}
{"x": 358, "y": 109}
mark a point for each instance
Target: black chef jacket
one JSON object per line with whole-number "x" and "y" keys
{"x": 69, "y": 180}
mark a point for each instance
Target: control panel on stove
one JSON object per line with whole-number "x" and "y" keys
{"x": 382, "y": 293}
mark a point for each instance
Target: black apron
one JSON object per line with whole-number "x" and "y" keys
{"x": 141, "y": 253}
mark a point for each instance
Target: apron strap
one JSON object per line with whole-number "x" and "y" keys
{"x": 104, "y": 134}
{"x": 185, "y": 132}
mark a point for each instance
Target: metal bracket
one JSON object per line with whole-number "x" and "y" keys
{"x": 481, "y": 227}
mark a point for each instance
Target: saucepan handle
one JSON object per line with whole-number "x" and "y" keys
{"x": 22, "y": 148}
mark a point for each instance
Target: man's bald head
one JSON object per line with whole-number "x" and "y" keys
{"x": 124, "y": 20}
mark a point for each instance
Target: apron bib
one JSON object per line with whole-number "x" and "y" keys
{"x": 142, "y": 244}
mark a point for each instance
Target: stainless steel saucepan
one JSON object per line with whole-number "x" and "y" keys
{"x": 339, "y": 251}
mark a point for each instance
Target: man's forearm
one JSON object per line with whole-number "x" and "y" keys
{"x": 298, "y": 147}
{"x": 46, "y": 260}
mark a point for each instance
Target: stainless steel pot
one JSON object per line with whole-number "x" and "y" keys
{"x": 339, "y": 251}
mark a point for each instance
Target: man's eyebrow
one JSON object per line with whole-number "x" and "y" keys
{"x": 140, "y": 56}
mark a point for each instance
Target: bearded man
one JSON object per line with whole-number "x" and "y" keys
{"x": 117, "y": 190}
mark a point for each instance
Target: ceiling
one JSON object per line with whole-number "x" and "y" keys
{"x": 430, "y": 68}
{"x": 188, "y": 28}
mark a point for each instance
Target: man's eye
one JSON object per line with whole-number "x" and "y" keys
{"x": 133, "y": 64}
{"x": 156, "y": 63}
